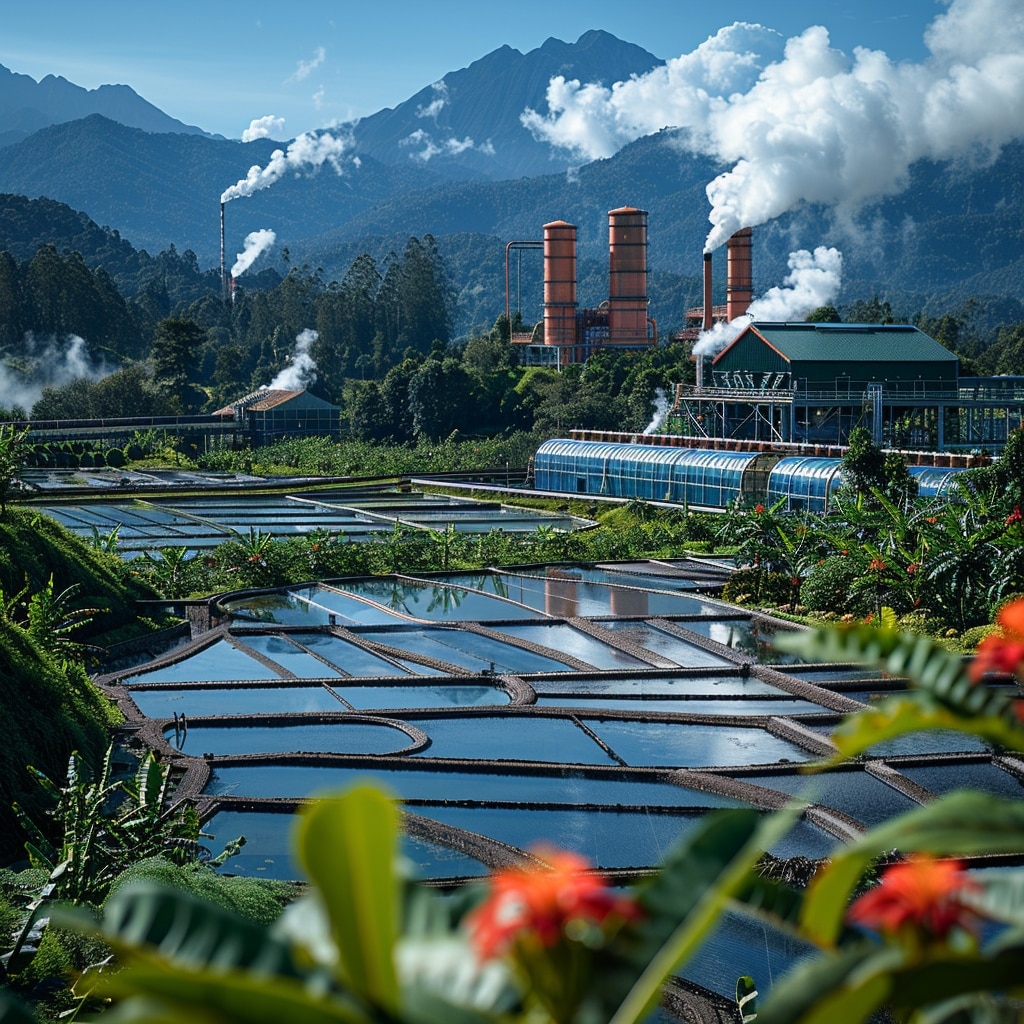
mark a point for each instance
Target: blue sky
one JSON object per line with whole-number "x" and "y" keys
{"x": 220, "y": 66}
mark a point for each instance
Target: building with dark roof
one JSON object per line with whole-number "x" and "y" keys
{"x": 814, "y": 382}
{"x": 271, "y": 414}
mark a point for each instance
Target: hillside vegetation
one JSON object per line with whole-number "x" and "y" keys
{"x": 47, "y": 704}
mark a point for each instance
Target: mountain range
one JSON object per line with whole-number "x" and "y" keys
{"x": 455, "y": 161}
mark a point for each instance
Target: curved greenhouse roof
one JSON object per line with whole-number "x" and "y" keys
{"x": 933, "y": 481}
{"x": 805, "y": 481}
{"x": 694, "y": 476}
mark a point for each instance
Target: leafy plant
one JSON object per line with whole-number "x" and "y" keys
{"x": 367, "y": 945}
{"x": 101, "y": 825}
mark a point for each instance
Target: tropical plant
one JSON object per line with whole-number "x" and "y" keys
{"x": 549, "y": 943}
{"x": 13, "y": 452}
{"x": 102, "y": 825}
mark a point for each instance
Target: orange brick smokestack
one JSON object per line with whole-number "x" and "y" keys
{"x": 739, "y": 290}
{"x": 627, "y": 281}
{"x": 560, "y": 283}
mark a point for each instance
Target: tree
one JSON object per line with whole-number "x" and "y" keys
{"x": 824, "y": 315}
{"x": 175, "y": 344}
{"x": 440, "y": 399}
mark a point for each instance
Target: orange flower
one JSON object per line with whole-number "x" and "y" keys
{"x": 543, "y": 901}
{"x": 877, "y": 565}
{"x": 758, "y": 509}
{"x": 1015, "y": 516}
{"x": 923, "y": 894}
{"x": 1002, "y": 651}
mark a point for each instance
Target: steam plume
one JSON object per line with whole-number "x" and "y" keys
{"x": 301, "y": 369}
{"x": 49, "y": 363}
{"x": 812, "y": 125}
{"x": 263, "y": 128}
{"x": 813, "y": 281}
{"x": 309, "y": 150}
{"x": 256, "y": 243}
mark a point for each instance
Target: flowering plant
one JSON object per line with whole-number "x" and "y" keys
{"x": 549, "y": 943}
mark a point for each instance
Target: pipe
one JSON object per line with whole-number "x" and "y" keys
{"x": 708, "y": 318}
{"x": 223, "y": 270}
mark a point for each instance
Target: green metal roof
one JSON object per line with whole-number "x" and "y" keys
{"x": 807, "y": 342}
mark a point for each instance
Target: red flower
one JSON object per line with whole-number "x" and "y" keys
{"x": 877, "y": 565}
{"x": 913, "y": 567}
{"x": 923, "y": 894}
{"x": 758, "y": 509}
{"x": 794, "y": 581}
{"x": 1002, "y": 651}
{"x": 1015, "y": 516}
{"x": 543, "y": 901}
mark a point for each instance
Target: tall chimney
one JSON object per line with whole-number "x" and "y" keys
{"x": 627, "y": 278}
{"x": 560, "y": 285}
{"x": 708, "y": 307}
{"x": 739, "y": 288}
{"x": 223, "y": 268}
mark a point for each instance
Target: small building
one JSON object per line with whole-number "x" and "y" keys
{"x": 271, "y": 414}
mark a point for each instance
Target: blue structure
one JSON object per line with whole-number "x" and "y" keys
{"x": 805, "y": 482}
{"x": 700, "y": 478}
{"x": 933, "y": 481}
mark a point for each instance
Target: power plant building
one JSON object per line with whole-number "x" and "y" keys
{"x": 568, "y": 334}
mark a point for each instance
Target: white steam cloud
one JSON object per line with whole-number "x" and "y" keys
{"x": 813, "y": 280}
{"x": 428, "y": 148}
{"x": 265, "y": 127}
{"x": 310, "y": 150}
{"x": 812, "y": 125}
{"x": 301, "y": 369}
{"x": 256, "y": 243}
{"x": 48, "y": 363}
{"x": 661, "y": 408}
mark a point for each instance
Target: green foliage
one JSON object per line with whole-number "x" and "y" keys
{"x": 258, "y": 900}
{"x": 364, "y": 946}
{"x": 12, "y": 458}
{"x": 829, "y": 584}
{"x": 102, "y": 825}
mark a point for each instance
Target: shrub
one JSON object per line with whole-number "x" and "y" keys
{"x": 829, "y": 586}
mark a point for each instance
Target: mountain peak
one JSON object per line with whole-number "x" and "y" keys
{"x": 27, "y": 105}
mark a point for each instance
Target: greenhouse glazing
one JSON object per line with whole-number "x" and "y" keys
{"x": 805, "y": 482}
{"x": 696, "y": 477}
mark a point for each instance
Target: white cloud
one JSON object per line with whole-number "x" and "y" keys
{"x": 812, "y": 124}
{"x": 266, "y": 127}
{"x": 428, "y": 148}
{"x": 307, "y": 67}
{"x": 437, "y": 104}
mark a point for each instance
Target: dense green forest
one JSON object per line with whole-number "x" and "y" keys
{"x": 158, "y": 338}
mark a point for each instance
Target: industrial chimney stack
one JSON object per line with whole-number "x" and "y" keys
{"x": 560, "y": 284}
{"x": 627, "y": 281}
{"x": 739, "y": 288}
{"x": 223, "y": 267}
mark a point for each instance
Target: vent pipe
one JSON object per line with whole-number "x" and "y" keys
{"x": 708, "y": 318}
